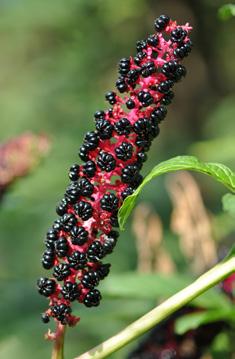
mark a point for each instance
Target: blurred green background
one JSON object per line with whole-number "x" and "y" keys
{"x": 57, "y": 60}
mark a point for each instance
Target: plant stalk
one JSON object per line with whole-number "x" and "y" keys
{"x": 58, "y": 348}
{"x": 161, "y": 312}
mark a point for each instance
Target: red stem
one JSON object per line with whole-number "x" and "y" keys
{"x": 58, "y": 348}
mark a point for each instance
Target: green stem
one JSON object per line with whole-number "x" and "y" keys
{"x": 155, "y": 316}
{"x": 58, "y": 348}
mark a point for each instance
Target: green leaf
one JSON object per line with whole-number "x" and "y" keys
{"x": 157, "y": 287}
{"x": 194, "y": 320}
{"x": 226, "y": 11}
{"x": 218, "y": 171}
{"x": 228, "y": 201}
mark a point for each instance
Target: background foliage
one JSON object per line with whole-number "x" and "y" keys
{"x": 57, "y": 60}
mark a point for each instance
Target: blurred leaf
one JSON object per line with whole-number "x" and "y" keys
{"x": 218, "y": 171}
{"x": 194, "y": 320}
{"x": 220, "y": 347}
{"x": 157, "y": 287}
{"x": 226, "y": 11}
{"x": 219, "y": 149}
{"x": 220, "y": 121}
{"x": 228, "y": 201}
{"x": 223, "y": 225}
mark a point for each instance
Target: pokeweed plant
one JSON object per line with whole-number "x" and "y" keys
{"x": 113, "y": 156}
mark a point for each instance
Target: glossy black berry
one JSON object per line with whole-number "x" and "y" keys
{"x": 92, "y": 299}
{"x": 48, "y": 258}
{"x": 51, "y": 238}
{"x": 103, "y": 270}
{"x": 85, "y": 187}
{"x": 52, "y": 234}
{"x": 111, "y": 97}
{"x": 95, "y": 251}
{"x": 99, "y": 114}
{"x": 109, "y": 202}
{"x": 165, "y": 86}
{"x": 83, "y": 152}
{"x": 109, "y": 244}
{"x": 89, "y": 168}
{"x": 61, "y": 312}
{"x": 153, "y": 40}
{"x": 50, "y": 244}
{"x": 104, "y": 128}
{"x": 161, "y": 22}
{"x": 143, "y": 142}
{"x": 62, "y": 207}
{"x": 70, "y": 291}
{"x": 84, "y": 210}
{"x": 106, "y": 161}
{"x": 125, "y": 151}
{"x": 45, "y": 318}
{"x": 91, "y": 140}
{"x": 142, "y": 126}
{"x": 61, "y": 271}
{"x": 168, "y": 97}
{"x": 139, "y": 57}
{"x": 114, "y": 220}
{"x": 72, "y": 192}
{"x": 133, "y": 76}
{"x": 110, "y": 112}
{"x": 90, "y": 279}
{"x": 137, "y": 180}
{"x": 145, "y": 98}
{"x": 61, "y": 247}
{"x": 121, "y": 84}
{"x": 79, "y": 235}
{"x": 141, "y": 156}
{"x": 77, "y": 260}
{"x": 148, "y": 69}
{"x": 113, "y": 234}
{"x": 159, "y": 114}
{"x": 68, "y": 221}
{"x": 183, "y": 50}
{"x": 127, "y": 192}
{"x": 173, "y": 71}
{"x": 57, "y": 225}
{"x": 46, "y": 286}
{"x": 154, "y": 130}
{"x": 130, "y": 104}
{"x": 178, "y": 35}
{"x": 141, "y": 45}
{"x": 124, "y": 66}
{"x": 123, "y": 126}
{"x": 74, "y": 172}
{"x": 130, "y": 173}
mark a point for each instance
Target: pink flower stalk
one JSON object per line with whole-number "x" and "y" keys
{"x": 113, "y": 154}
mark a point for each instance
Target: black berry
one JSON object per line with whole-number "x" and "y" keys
{"x": 84, "y": 210}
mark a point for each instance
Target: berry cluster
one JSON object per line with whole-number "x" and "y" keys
{"x": 113, "y": 156}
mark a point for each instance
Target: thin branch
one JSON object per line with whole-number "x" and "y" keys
{"x": 148, "y": 321}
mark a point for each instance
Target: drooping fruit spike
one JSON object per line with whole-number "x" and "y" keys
{"x": 113, "y": 156}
